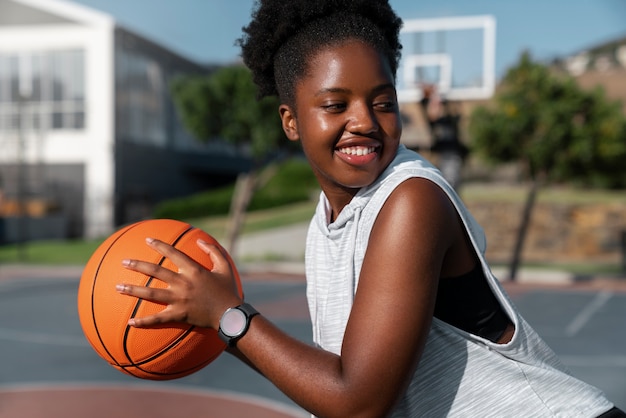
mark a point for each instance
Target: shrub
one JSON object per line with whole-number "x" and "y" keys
{"x": 210, "y": 203}
{"x": 293, "y": 182}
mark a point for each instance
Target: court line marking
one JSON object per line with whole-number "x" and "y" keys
{"x": 42, "y": 338}
{"x": 156, "y": 388}
{"x": 583, "y": 317}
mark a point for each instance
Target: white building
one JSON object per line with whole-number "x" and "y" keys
{"x": 88, "y": 131}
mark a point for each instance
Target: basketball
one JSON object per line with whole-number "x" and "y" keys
{"x": 161, "y": 352}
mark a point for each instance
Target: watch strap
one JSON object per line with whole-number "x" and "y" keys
{"x": 249, "y": 312}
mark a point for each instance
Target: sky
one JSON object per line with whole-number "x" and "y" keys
{"x": 205, "y": 30}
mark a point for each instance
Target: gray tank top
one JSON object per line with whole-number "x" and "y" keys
{"x": 459, "y": 374}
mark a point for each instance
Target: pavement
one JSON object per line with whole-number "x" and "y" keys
{"x": 49, "y": 370}
{"x": 285, "y": 246}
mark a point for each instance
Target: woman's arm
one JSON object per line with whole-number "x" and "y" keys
{"x": 388, "y": 324}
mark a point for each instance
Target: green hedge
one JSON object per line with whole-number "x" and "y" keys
{"x": 215, "y": 202}
{"x": 294, "y": 182}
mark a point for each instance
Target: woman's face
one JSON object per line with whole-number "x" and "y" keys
{"x": 346, "y": 116}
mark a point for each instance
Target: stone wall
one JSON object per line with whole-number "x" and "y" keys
{"x": 566, "y": 232}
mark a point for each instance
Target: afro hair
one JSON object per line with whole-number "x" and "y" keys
{"x": 283, "y": 35}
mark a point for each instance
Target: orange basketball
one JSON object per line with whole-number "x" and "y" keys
{"x": 157, "y": 353}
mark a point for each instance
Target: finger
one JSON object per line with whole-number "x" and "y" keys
{"x": 223, "y": 267}
{"x": 176, "y": 256}
{"x": 161, "y": 296}
{"x": 151, "y": 320}
{"x": 150, "y": 269}
{"x": 218, "y": 258}
{"x": 168, "y": 315}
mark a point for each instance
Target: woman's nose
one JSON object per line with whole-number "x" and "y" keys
{"x": 362, "y": 119}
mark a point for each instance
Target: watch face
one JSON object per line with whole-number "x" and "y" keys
{"x": 233, "y": 322}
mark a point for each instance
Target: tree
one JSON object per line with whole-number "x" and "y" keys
{"x": 224, "y": 105}
{"x": 557, "y": 131}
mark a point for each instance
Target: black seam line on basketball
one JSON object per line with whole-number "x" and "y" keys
{"x": 173, "y": 375}
{"x": 136, "y": 309}
{"x": 93, "y": 288}
{"x": 184, "y": 372}
{"x": 163, "y": 350}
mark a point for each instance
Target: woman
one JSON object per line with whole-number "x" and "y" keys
{"x": 408, "y": 319}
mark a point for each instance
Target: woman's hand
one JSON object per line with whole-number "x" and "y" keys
{"x": 194, "y": 294}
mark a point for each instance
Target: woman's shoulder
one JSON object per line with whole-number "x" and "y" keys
{"x": 419, "y": 199}
{"x": 407, "y": 164}
{"x": 412, "y": 180}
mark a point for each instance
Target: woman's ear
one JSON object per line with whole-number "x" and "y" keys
{"x": 290, "y": 124}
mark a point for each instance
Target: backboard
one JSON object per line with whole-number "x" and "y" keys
{"x": 455, "y": 54}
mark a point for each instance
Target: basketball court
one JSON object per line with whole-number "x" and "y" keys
{"x": 49, "y": 370}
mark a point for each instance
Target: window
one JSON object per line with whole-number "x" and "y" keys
{"x": 43, "y": 90}
{"x": 140, "y": 92}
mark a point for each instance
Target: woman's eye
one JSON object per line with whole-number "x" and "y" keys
{"x": 334, "y": 107}
{"x": 385, "y": 105}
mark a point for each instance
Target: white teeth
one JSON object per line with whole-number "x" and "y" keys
{"x": 358, "y": 150}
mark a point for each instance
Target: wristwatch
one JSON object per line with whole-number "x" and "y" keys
{"x": 235, "y": 322}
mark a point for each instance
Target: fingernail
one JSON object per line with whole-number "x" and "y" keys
{"x": 131, "y": 322}
{"x": 126, "y": 262}
{"x": 149, "y": 240}
{"x": 119, "y": 287}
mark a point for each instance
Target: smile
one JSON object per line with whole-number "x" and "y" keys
{"x": 357, "y": 150}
